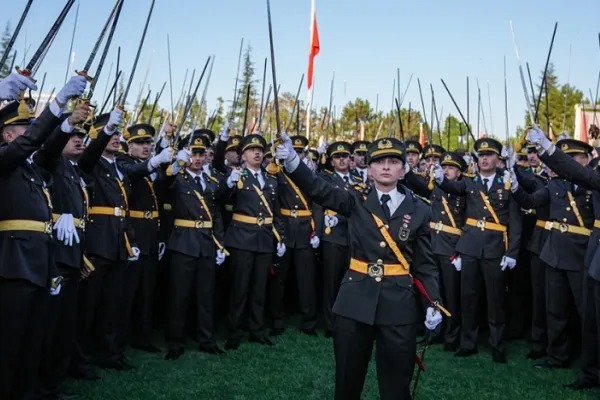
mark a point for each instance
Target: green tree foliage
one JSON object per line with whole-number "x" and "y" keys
{"x": 557, "y": 105}
{"x": 4, "y": 39}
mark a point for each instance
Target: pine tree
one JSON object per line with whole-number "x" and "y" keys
{"x": 4, "y": 39}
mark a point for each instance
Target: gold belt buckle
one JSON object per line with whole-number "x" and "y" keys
{"x": 118, "y": 211}
{"x": 148, "y": 215}
{"x": 48, "y": 228}
{"x": 481, "y": 224}
{"x": 376, "y": 270}
{"x": 199, "y": 224}
{"x": 562, "y": 227}
{"x": 294, "y": 213}
{"x": 438, "y": 226}
{"x": 549, "y": 225}
{"x": 81, "y": 224}
{"x": 260, "y": 221}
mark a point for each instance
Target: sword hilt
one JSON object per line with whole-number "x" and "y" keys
{"x": 84, "y": 73}
{"x": 25, "y": 72}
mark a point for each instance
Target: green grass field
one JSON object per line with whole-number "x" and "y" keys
{"x": 302, "y": 367}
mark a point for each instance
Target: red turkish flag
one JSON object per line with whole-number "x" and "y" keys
{"x": 314, "y": 49}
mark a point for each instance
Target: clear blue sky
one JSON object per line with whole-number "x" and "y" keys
{"x": 362, "y": 41}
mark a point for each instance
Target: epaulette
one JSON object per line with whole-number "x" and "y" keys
{"x": 423, "y": 199}
{"x": 212, "y": 178}
{"x": 468, "y": 175}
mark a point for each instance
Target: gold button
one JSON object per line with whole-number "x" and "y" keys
{"x": 443, "y": 212}
{"x": 568, "y": 208}
{"x": 564, "y": 220}
{"x": 378, "y": 279}
{"x": 387, "y": 227}
{"x": 379, "y": 261}
{"x": 484, "y": 207}
{"x": 382, "y": 244}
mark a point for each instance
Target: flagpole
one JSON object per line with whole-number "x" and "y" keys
{"x": 309, "y": 91}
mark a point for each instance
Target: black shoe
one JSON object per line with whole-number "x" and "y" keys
{"x": 309, "y": 332}
{"x": 582, "y": 385}
{"x": 276, "y": 332}
{"x": 214, "y": 349}
{"x": 535, "y": 354}
{"x": 549, "y": 365}
{"x": 174, "y": 354}
{"x": 465, "y": 352}
{"x": 149, "y": 348}
{"x": 328, "y": 333}
{"x": 232, "y": 344}
{"x": 450, "y": 347}
{"x": 68, "y": 396}
{"x": 261, "y": 340}
{"x": 87, "y": 374}
{"x": 499, "y": 357}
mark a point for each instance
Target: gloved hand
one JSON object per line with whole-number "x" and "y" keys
{"x": 136, "y": 254}
{"x": 331, "y": 221}
{"x": 167, "y": 130}
{"x": 163, "y": 143}
{"x": 433, "y": 318}
{"x": 285, "y": 150}
{"x": 164, "y": 157}
{"x": 224, "y": 135}
{"x": 438, "y": 173}
{"x": 536, "y": 136}
{"x": 12, "y": 86}
{"x": 315, "y": 241}
{"x": 56, "y": 285}
{"x": 74, "y": 87}
{"x": 457, "y": 262}
{"x": 183, "y": 156}
{"x": 234, "y": 177}
{"x": 509, "y": 262}
{"x": 115, "y": 119}
{"x": 280, "y": 249}
{"x": 514, "y": 183}
{"x": 162, "y": 247}
{"x": 65, "y": 229}
{"x": 510, "y": 158}
{"x": 80, "y": 113}
{"x": 220, "y": 257}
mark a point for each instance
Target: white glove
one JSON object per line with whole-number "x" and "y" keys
{"x": 457, "y": 262}
{"x": 315, "y": 241}
{"x": 537, "y": 137}
{"x": 12, "y": 86}
{"x": 224, "y": 135}
{"x": 331, "y": 221}
{"x": 56, "y": 285}
{"x": 115, "y": 119}
{"x": 285, "y": 150}
{"x": 65, "y": 229}
{"x": 234, "y": 176}
{"x": 280, "y": 249}
{"x": 74, "y": 87}
{"x": 183, "y": 156}
{"x": 220, "y": 257}
{"x": 438, "y": 173}
{"x": 163, "y": 143}
{"x": 433, "y": 318}
{"x": 504, "y": 152}
{"x": 136, "y": 254}
{"x": 162, "y": 247}
{"x": 164, "y": 157}
{"x": 514, "y": 183}
{"x": 508, "y": 262}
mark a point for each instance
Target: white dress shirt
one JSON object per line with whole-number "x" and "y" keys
{"x": 490, "y": 180}
{"x": 194, "y": 175}
{"x": 396, "y": 198}
{"x": 116, "y": 167}
{"x": 258, "y": 175}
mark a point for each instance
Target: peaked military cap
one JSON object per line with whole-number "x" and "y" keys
{"x": 412, "y": 146}
{"x": 252, "y": 142}
{"x": 488, "y": 145}
{"x": 432, "y": 150}
{"x": 338, "y": 148}
{"x": 17, "y": 113}
{"x": 454, "y": 159}
{"x": 299, "y": 142}
{"x": 385, "y": 147}
{"x": 360, "y": 146}
{"x": 232, "y": 143}
{"x": 572, "y": 146}
{"x": 141, "y": 133}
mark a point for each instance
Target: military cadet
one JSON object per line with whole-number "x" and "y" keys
{"x": 27, "y": 270}
{"x": 570, "y": 221}
{"x": 255, "y": 227}
{"x": 70, "y": 207}
{"x": 333, "y": 231}
{"x": 359, "y": 151}
{"x": 489, "y": 244}
{"x": 413, "y": 152}
{"x": 226, "y": 154}
{"x": 431, "y": 154}
{"x": 588, "y": 177}
{"x": 389, "y": 231}
{"x": 300, "y": 240}
{"x": 142, "y": 170}
{"x": 110, "y": 244}
{"x": 196, "y": 241}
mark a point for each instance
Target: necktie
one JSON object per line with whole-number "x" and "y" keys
{"x": 573, "y": 188}
{"x": 346, "y": 179}
{"x": 199, "y": 182}
{"x": 256, "y": 176}
{"x": 485, "y": 183}
{"x": 386, "y": 209}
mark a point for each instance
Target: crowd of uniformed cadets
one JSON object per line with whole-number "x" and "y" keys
{"x": 109, "y": 233}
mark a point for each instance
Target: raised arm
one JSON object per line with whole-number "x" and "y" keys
{"x": 565, "y": 166}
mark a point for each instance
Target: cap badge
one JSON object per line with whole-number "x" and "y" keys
{"x": 384, "y": 144}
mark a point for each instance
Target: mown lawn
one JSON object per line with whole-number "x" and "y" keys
{"x": 301, "y": 367}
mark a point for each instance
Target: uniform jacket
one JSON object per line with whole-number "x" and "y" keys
{"x": 298, "y": 230}
{"x": 487, "y": 244}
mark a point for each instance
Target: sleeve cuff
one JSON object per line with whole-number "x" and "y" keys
{"x": 292, "y": 165}
{"x": 55, "y": 109}
{"x": 66, "y": 127}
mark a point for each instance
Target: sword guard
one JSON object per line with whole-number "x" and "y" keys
{"x": 25, "y": 72}
{"x": 84, "y": 73}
